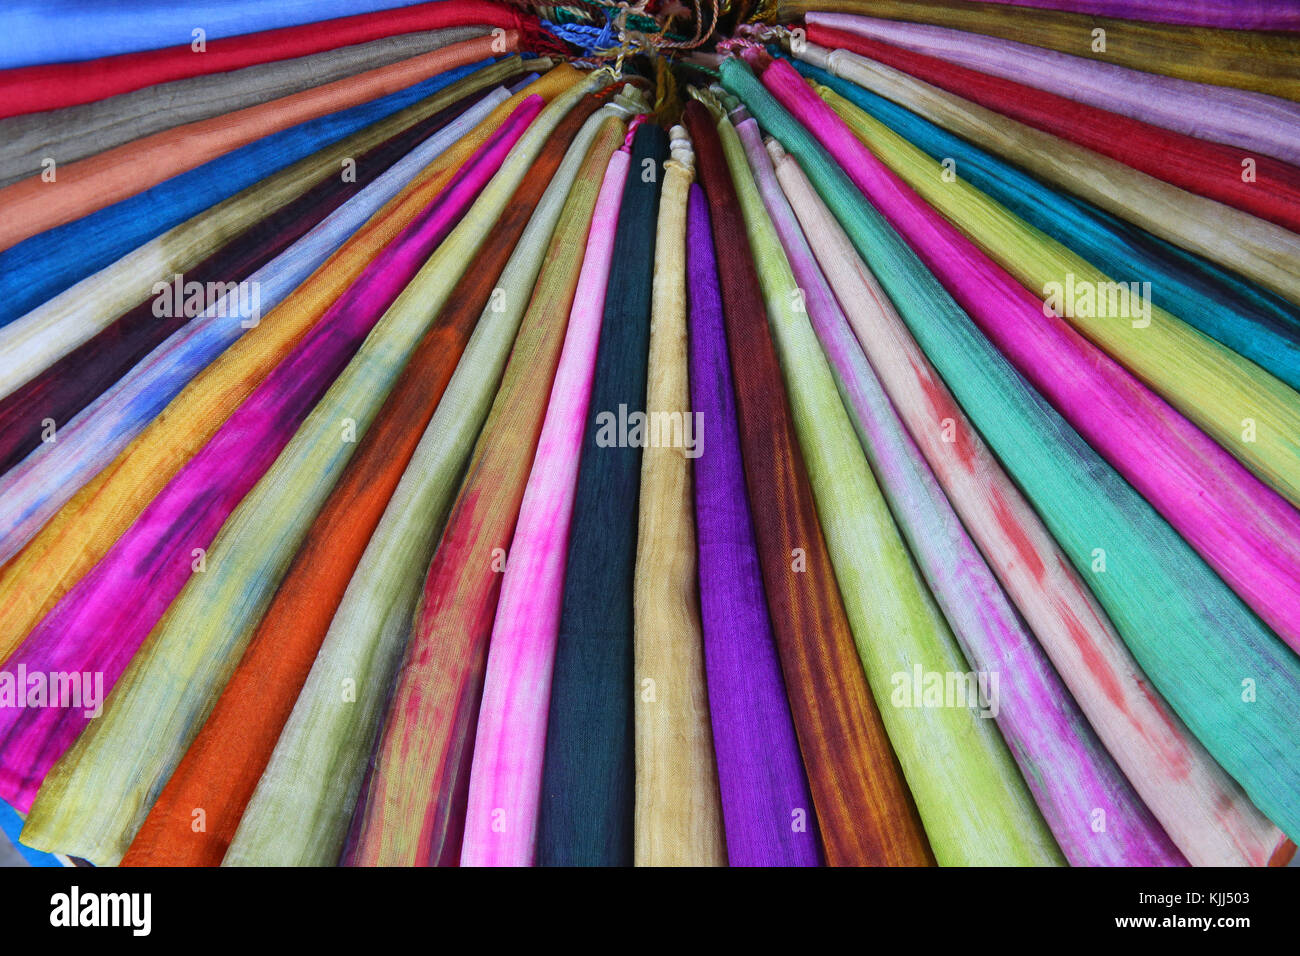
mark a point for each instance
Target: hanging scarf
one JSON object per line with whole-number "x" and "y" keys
{"x": 209, "y": 624}
{"x": 75, "y": 315}
{"x": 585, "y": 808}
{"x": 36, "y": 89}
{"x": 300, "y": 811}
{"x": 43, "y": 483}
{"x": 1068, "y": 772}
{"x": 1258, "y": 250}
{"x": 969, "y": 794}
{"x": 864, "y": 811}
{"x": 1256, "y": 324}
{"x": 509, "y": 744}
{"x": 101, "y": 623}
{"x": 54, "y": 261}
{"x": 1201, "y": 807}
{"x": 85, "y": 186}
{"x": 81, "y": 131}
{"x": 677, "y": 817}
{"x": 74, "y": 539}
{"x": 1244, "y": 529}
{"x": 1206, "y": 169}
{"x": 221, "y": 767}
{"x": 1265, "y": 62}
{"x": 766, "y": 804}
{"x": 1207, "y": 382}
{"x": 1186, "y": 629}
{"x": 1221, "y": 114}
{"x": 83, "y": 375}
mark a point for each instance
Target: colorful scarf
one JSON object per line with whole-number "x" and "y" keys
{"x": 1258, "y": 250}
{"x": 35, "y": 89}
{"x": 1186, "y": 790}
{"x": 46, "y": 480}
{"x": 74, "y": 539}
{"x": 77, "y": 132}
{"x": 1170, "y": 607}
{"x": 300, "y": 811}
{"x": 1253, "y": 322}
{"x": 586, "y": 799}
{"x": 1220, "y": 114}
{"x": 81, "y": 376}
{"x": 87, "y": 185}
{"x": 970, "y": 796}
{"x": 1261, "y": 61}
{"x": 865, "y": 815}
{"x": 220, "y": 769}
{"x": 677, "y": 819}
{"x": 1244, "y": 529}
{"x": 45, "y": 265}
{"x": 509, "y": 744}
{"x": 1206, "y": 169}
{"x": 1067, "y": 770}
{"x": 100, "y": 623}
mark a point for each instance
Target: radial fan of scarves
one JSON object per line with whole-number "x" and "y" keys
{"x": 501, "y": 817}
{"x": 585, "y": 801}
{"x": 79, "y": 312}
{"x": 88, "y": 28}
{"x": 766, "y": 804}
{"x": 864, "y": 812}
{"x": 300, "y": 810}
{"x": 972, "y": 800}
{"x": 1221, "y": 114}
{"x": 48, "y": 478}
{"x": 100, "y": 624}
{"x": 46, "y": 265}
{"x": 1261, "y": 61}
{"x": 1260, "y": 251}
{"x": 1206, "y": 169}
{"x": 1253, "y": 322}
{"x": 1193, "y": 637}
{"x": 677, "y": 815}
{"x": 74, "y": 539}
{"x": 101, "y": 791}
{"x": 1065, "y": 766}
{"x": 53, "y": 86}
{"x": 80, "y": 131}
{"x": 1204, "y": 379}
{"x": 84, "y": 374}
{"x": 1244, "y": 529}
{"x": 87, "y": 185}
{"x": 1230, "y": 14}
{"x": 1201, "y": 807}
{"x": 220, "y": 769}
